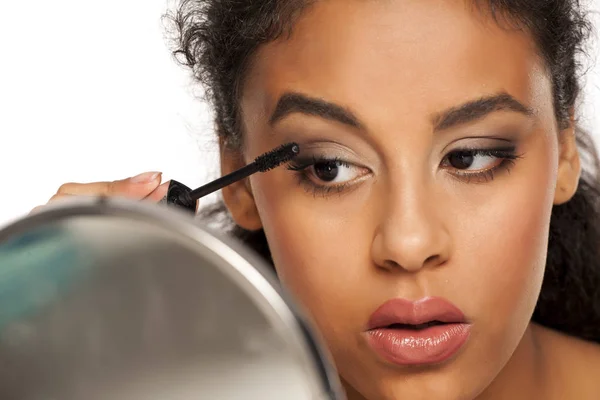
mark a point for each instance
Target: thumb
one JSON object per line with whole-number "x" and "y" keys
{"x": 137, "y": 187}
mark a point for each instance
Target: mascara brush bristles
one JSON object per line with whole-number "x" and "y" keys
{"x": 276, "y": 157}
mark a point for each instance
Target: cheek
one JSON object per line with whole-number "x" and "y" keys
{"x": 502, "y": 256}
{"x": 321, "y": 250}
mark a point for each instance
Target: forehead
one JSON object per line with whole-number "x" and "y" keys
{"x": 414, "y": 55}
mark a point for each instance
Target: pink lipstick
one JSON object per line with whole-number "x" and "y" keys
{"x": 427, "y": 331}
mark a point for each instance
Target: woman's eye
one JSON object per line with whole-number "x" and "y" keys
{"x": 326, "y": 174}
{"x": 472, "y": 160}
{"x": 334, "y": 171}
{"x": 481, "y": 164}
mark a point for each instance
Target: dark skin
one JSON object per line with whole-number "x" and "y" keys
{"x": 394, "y": 89}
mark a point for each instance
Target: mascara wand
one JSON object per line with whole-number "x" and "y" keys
{"x": 184, "y": 197}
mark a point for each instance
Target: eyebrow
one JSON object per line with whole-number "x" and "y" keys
{"x": 478, "y": 109}
{"x": 290, "y": 103}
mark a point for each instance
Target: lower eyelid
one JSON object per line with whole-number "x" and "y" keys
{"x": 322, "y": 190}
{"x": 487, "y": 174}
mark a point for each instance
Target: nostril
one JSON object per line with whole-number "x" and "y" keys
{"x": 432, "y": 259}
{"x": 391, "y": 264}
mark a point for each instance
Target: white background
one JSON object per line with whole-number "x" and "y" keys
{"x": 89, "y": 91}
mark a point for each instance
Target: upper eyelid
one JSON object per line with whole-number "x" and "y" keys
{"x": 483, "y": 151}
{"x": 311, "y": 160}
{"x": 504, "y": 145}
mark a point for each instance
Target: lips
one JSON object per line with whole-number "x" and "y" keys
{"x": 424, "y": 311}
{"x": 427, "y": 331}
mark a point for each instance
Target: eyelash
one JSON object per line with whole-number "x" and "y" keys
{"x": 300, "y": 166}
{"x": 507, "y": 156}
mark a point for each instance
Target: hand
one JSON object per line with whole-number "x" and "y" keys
{"x": 146, "y": 186}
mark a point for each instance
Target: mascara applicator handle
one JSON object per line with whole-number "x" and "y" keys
{"x": 178, "y": 194}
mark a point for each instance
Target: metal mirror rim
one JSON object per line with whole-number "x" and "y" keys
{"x": 251, "y": 272}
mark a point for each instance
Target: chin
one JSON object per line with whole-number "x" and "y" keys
{"x": 374, "y": 380}
{"x": 401, "y": 389}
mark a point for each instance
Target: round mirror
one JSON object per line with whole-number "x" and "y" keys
{"x": 112, "y": 299}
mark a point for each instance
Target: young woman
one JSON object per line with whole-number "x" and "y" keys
{"x": 438, "y": 226}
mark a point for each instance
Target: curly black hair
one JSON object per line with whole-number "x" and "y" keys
{"x": 216, "y": 39}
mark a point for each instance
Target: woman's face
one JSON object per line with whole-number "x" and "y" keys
{"x": 436, "y": 151}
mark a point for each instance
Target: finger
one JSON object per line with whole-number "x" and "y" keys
{"x": 37, "y": 209}
{"x": 58, "y": 197}
{"x": 52, "y": 200}
{"x": 159, "y": 193}
{"x": 137, "y": 187}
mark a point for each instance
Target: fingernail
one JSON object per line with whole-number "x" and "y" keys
{"x": 146, "y": 177}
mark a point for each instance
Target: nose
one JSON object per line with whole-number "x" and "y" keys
{"x": 412, "y": 234}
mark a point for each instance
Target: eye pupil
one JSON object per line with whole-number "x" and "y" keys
{"x": 326, "y": 171}
{"x": 461, "y": 160}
